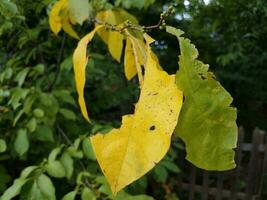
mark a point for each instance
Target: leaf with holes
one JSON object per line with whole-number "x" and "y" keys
{"x": 207, "y": 123}
{"x": 128, "y": 153}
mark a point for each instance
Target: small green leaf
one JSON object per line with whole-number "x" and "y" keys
{"x": 161, "y": 173}
{"x": 74, "y": 152}
{"x": 68, "y": 114}
{"x": 55, "y": 169}
{"x": 27, "y": 171}
{"x": 88, "y": 194}
{"x": 170, "y": 166}
{"x": 46, "y": 187}
{"x": 39, "y": 113}
{"x": 21, "y": 143}
{"x": 67, "y": 162}
{"x": 70, "y": 196}
{"x": 44, "y": 133}
{"x": 2, "y": 146}
{"x": 32, "y": 124}
{"x": 88, "y": 150}
{"x": 20, "y": 77}
{"x": 79, "y": 9}
{"x": 14, "y": 189}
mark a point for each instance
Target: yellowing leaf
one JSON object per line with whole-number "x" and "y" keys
{"x": 54, "y": 17}
{"x": 128, "y": 153}
{"x": 115, "y": 44}
{"x": 129, "y": 61}
{"x": 60, "y": 18}
{"x": 114, "y": 39}
{"x": 67, "y": 26}
{"x": 79, "y": 63}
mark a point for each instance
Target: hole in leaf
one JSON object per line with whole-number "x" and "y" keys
{"x": 152, "y": 128}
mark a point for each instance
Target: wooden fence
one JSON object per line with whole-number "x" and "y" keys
{"x": 245, "y": 182}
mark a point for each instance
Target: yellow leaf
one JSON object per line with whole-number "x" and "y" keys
{"x": 129, "y": 61}
{"x": 114, "y": 39}
{"x": 79, "y": 63}
{"x": 66, "y": 24}
{"x": 128, "y": 153}
{"x": 54, "y": 16}
{"x": 115, "y": 44}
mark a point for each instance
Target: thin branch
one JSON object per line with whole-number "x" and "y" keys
{"x": 59, "y": 58}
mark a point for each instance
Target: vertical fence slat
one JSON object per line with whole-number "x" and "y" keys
{"x": 192, "y": 183}
{"x": 238, "y": 159}
{"x": 219, "y": 194}
{"x": 205, "y": 192}
{"x": 252, "y": 165}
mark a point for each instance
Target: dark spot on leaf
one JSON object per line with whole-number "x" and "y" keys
{"x": 152, "y": 128}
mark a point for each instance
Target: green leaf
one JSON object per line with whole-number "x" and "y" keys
{"x": 88, "y": 194}
{"x": 2, "y": 145}
{"x": 46, "y": 187}
{"x": 14, "y": 189}
{"x": 79, "y": 9}
{"x": 55, "y": 169}
{"x": 170, "y": 166}
{"x": 44, "y": 133}
{"x": 32, "y": 124}
{"x": 70, "y": 196}
{"x": 38, "y": 113}
{"x": 21, "y": 143}
{"x": 207, "y": 123}
{"x": 17, "y": 95}
{"x": 27, "y": 171}
{"x": 160, "y": 173}
{"x": 68, "y": 114}
{"x": 67, "y": 163}
{"x": 88, "y": 150}
{"x": 20, "y": 77}
{"x": 125, "y": 196}
{"x": 74, "y": 152}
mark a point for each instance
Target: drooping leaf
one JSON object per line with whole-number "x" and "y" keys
{"x": 129, "y": 61}
{"x": 66, "y": 24}
{"x": 79, "y": 9}
{"x": 207, "y": 123}
{"x": 112, "y": 38}
{"x": 128, "y": 153}
{"x": 60, "y": 18}
{"x": 80, "y": 60}
{"x": 54, "y": 17}
{"x": 14, "y": 189}
{"x": 2, "y": 145}
{"x": 55, "y": 169}
{"x": 67, "y": 162}
{"x": 21, "y": 143}
{"x": 115, "y": 44}
{"x": 46, "y": 187}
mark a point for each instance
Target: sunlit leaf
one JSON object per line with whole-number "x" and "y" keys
{"x": 80, "y": 60}
{"x": 207, "y": 123}
{"x": 112, "y": 38}
{"x": 129, "y": 61}
{"x": 128, "y": 153}
{"x": 54, "y": 17}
